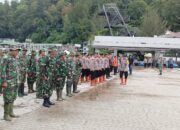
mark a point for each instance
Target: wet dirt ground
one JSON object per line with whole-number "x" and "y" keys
{"x": 148, "y": 102}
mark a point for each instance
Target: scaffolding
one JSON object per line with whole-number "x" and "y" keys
{"x": 114, "y": 18}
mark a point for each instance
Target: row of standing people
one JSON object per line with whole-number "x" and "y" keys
{"x": 49, "y": 74}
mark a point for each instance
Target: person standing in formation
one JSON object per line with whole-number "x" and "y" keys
{"x": 60, "y": 75}
{"x": 22, "y": 72}
{"x": 70, "y": 72}
{"x": 31, "y": 71}
{"x": 1, "y": 66}
{"x": 43, "y": 84}
{"x": 123, "y": 68}
{"x": 77, "y": 67}
{"x": 160, "y": 65}
{"x": 115, "y": 64}
{"x": 10, "y": 82}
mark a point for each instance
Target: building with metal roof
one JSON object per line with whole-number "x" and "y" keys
{"x": 136, "y": 43}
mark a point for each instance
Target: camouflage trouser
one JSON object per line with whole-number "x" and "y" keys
{"x": 31, "y": 78}
{"x": 160, "y": 69}
{"x": 22, "y": 77}
{"x": 75, "y": 79}
{"x": 44, "y": 88}
{"x": 10, "y": 94}
{"x": 0, "y": 88}
{"x": 60, "y": 84}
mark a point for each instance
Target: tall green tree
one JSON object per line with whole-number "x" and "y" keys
{"x": 152, "y": 24}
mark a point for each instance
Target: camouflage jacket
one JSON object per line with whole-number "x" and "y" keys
{"x": 70, "y": 70}
{"x": 61, "y": 69}
{"x": 42, "y": 69}
{"x": 52, "y": 68}
{"x": 1, "y": 66}
{"x": 31, "y": 66}
{"x": 10, "y": 71}
{"x": 22, "y": 61}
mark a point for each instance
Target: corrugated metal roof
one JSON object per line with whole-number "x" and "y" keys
{"x": 136, "y": 42}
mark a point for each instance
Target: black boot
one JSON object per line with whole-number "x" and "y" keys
{"x": 49, "y": 102}
{"x": 57, "y": 93}
{"x": 29, "y": 88}
{"x": 45, "y": 103}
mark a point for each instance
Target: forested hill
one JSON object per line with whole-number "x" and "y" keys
{"x": 75, "y": 21}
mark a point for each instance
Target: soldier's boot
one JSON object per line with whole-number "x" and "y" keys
{"x": 60, "y": 95}
{"x": 68, "y": 89}
{"x": 75, "y": 88}
{"x": 0, "y": 90}
{"x": 6, "y": 112}
{"x": 45, "y": 103}
{"x": 30, "y": 88}
{"x": 11, "y": 113}
{"x": 49, "y": 102}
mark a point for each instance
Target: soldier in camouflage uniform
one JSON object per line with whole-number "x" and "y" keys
{"x": 60, "y": 75}
{"x": 10, "y": 82}
{"x": 77, "y": 68}
{"x": 1, "y": 63}
{"x": 69, "y": 82}
{"x": 43, "y": 86}
{"x": 52, "y": 72}
{"x": 22, "y": 72}
{"x": 31, "y": 71}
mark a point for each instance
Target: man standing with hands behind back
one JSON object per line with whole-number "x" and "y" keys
{"x": 10, "y": 82}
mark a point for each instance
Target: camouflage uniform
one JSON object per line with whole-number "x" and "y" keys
{"x": 43, "y": 90}
{"x": 160, "y": 65}
{"x": 77, "y": 67}
{"x": 60, "y": 76}
{"x": 70, "y": 73}
{"x": 31, "y": 72}
{"x": 1, "y": 66}
{"x": 10, "y": 78}
{"x": 22, "y": 72}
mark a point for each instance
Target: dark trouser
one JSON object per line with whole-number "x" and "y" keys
{"x": 125, "y": 73}
{"x": 21, "y": 90}
{"x": 75, "y": 83}
{"x": 145, "y": 65}
{"x": 130, "y": 69}
{"x": 0, "y": 89}
{"x": 115, "y": 70}
{"x": 69, "y": 83}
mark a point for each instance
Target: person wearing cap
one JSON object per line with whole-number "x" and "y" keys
{"x": 10, "y": 82}
{"x": 60, "y": 75}
{"x": 22, "y": 72}
{"x": 77, "y": 66}
{"x": 70, "y": 72}
{"x": 31, "y": 71}
{"x": 160, "y": 65}
{"x": 43, "y": 86}
{"x": 1, "y": 66}
{"x": 52, "y": 69}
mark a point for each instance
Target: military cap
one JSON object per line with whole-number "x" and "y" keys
{"x": 52, "y": 49}
{"x": 14, "y": 48}
{"x": 42, "y": 49}
{"x": 61, "y": 54}
{"x": 24, "y": 49}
